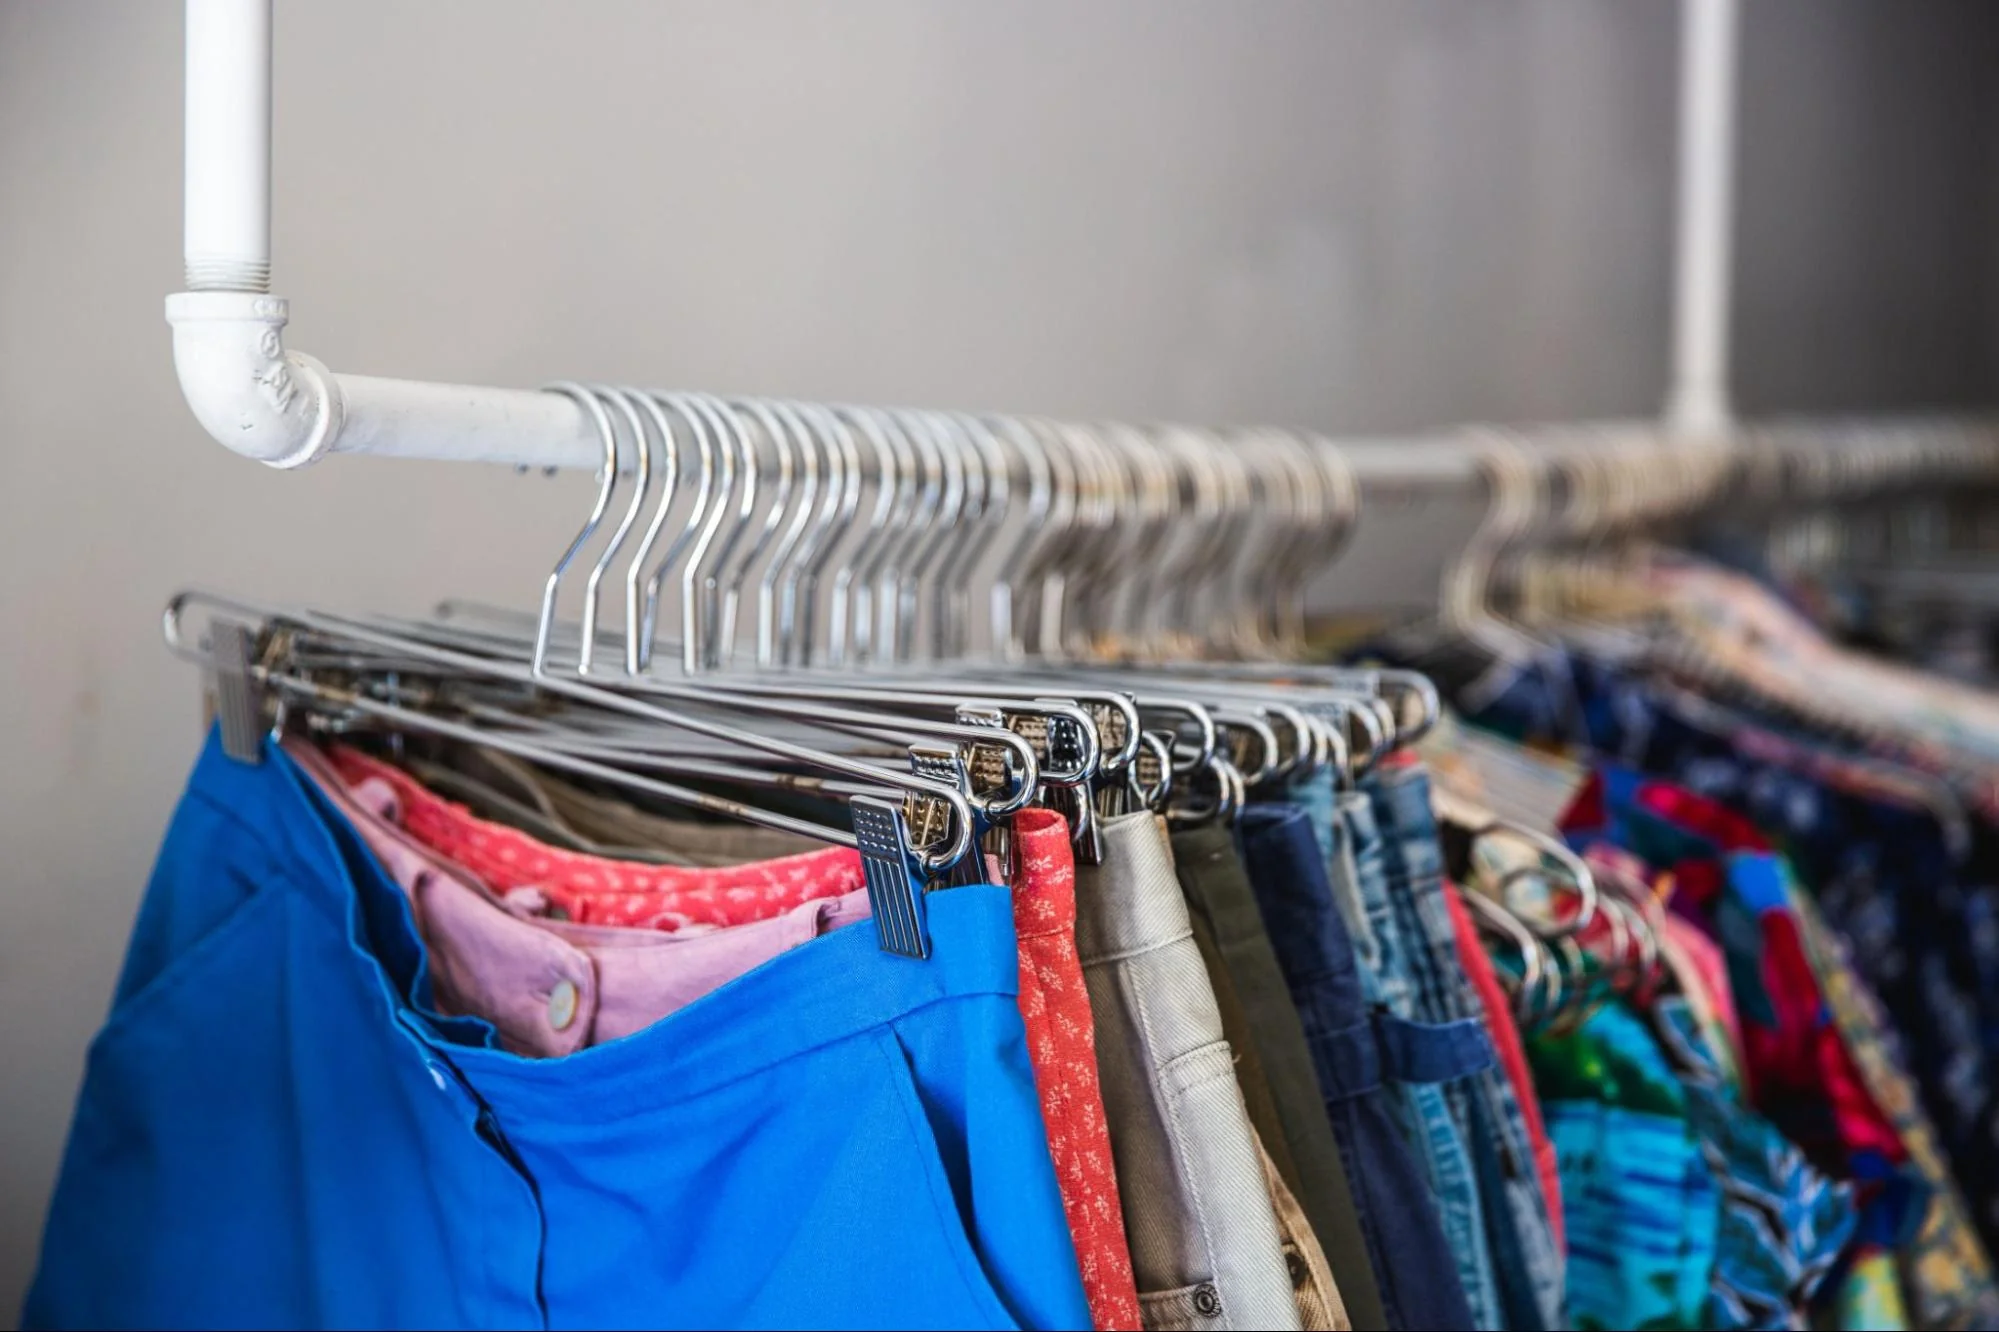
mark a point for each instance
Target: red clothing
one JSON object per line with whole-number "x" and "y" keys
{"x": 1795, "y": 1054}
{"x": 1512, "y": 1055}
{"x": 591, "y": 890}
{"x": 1062, "y": 1044}
{"x": 1798, "y": 1068}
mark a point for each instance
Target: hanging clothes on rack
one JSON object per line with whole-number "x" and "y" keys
{"x": 1755, "y": 774}
{"x": 571, "y": 966}
{"x": 1140, "y": 973}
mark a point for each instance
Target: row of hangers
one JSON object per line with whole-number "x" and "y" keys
{"x": 1144, "y": 597}
{"x": 1132, "y": 541}
{"x": 1570, "y": 499}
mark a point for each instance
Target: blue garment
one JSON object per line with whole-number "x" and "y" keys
{"x": 1642, "y": 1206}
{"x": 276, "y": 1129}
{"x": 1412, "y": 991}
{"x": 1783, "y": 1225}
{"x": 1366, "y": 1059}
{"x": 1641, "y": 1201}
{"x": 1527, "y": 1263}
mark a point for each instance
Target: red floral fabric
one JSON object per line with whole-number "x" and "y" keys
{"x": 591, "y": 890}
{"x": 1062, "y": 1044}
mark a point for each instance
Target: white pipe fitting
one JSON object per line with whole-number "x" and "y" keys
{"x": 279, "y": 407}
{"x": 286, "y": 409}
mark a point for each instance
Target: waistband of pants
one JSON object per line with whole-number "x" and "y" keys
{"x": 1135, "y": 902}
{"x": 1362, "y": 828}
{"x": 506, "y": 858}
{"x": 1216, "y": 879}
{"x": 1280, "y": 833}
{"x": 1402, "y": 800}
{"x": 821, "y": 992}
{"x": 1304, "y": 920}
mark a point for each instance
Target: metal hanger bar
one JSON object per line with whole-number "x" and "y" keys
{"x": 716, "y": 767}
{"x": 424, "y": 723}
{"x": 323, "y": 622}
{"x": 800, "y": 705}
{"x": 907, "y": 696}
{"x": 952, "y": 681}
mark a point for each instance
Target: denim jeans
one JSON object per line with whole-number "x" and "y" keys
{"x": 1369, "y": 1062}
{"x": 1441, "y": 1114}
{"x": 1526, "y": 1261}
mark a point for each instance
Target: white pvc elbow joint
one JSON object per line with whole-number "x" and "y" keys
{"x": 281, "y": 408}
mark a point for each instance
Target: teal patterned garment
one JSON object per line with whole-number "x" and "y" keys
{"x": 1783, "y": 1224}
{"x": 1686, "y": 1209}
{"x": 1642, "y": 1204}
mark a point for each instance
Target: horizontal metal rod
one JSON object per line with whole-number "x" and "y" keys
{"x": 528, "y": 428}
{"x": 287, "y": 409}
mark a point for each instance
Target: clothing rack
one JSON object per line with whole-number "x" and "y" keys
{"x": 1611, "y": 948}
{"x": 286, "y": 408}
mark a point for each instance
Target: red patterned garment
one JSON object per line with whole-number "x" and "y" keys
{"x": 1800, "y": 1072}
{"x": 591, "y": 890}
{"x": 1062, "y": 1045}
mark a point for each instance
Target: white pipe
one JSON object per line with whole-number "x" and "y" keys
{"x": 286, "y": 409}
{"x": 227, "y": 222}
{"x": 283, "y": 407}
{"x": 403, "y": 418}
{"x": 256, "y": 398}
{"x": 1698, "y": 398}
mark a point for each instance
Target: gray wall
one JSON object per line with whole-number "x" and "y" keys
{"x": 1868, "y": 240}
{"x": 1365, "y": 217}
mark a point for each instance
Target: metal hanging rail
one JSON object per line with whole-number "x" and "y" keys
{"x": 286, "y": 409}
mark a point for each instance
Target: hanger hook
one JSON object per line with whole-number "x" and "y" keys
{"x": 843, "y": 499}
{"x": 777, "y": 589}
{"x": 1008, "y": 640}
{"x": 638, "y": 611}
{"x": 642, "y": 446}
{"x": 856, "y": 583}
{"x": 704, "y": 498}
{"x": 606, "y": 485}
{"x": 730, "y": 569}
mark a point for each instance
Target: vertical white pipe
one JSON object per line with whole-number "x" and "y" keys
{"x": 228, "y": 187}
{"x": 1698, "y": 398}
